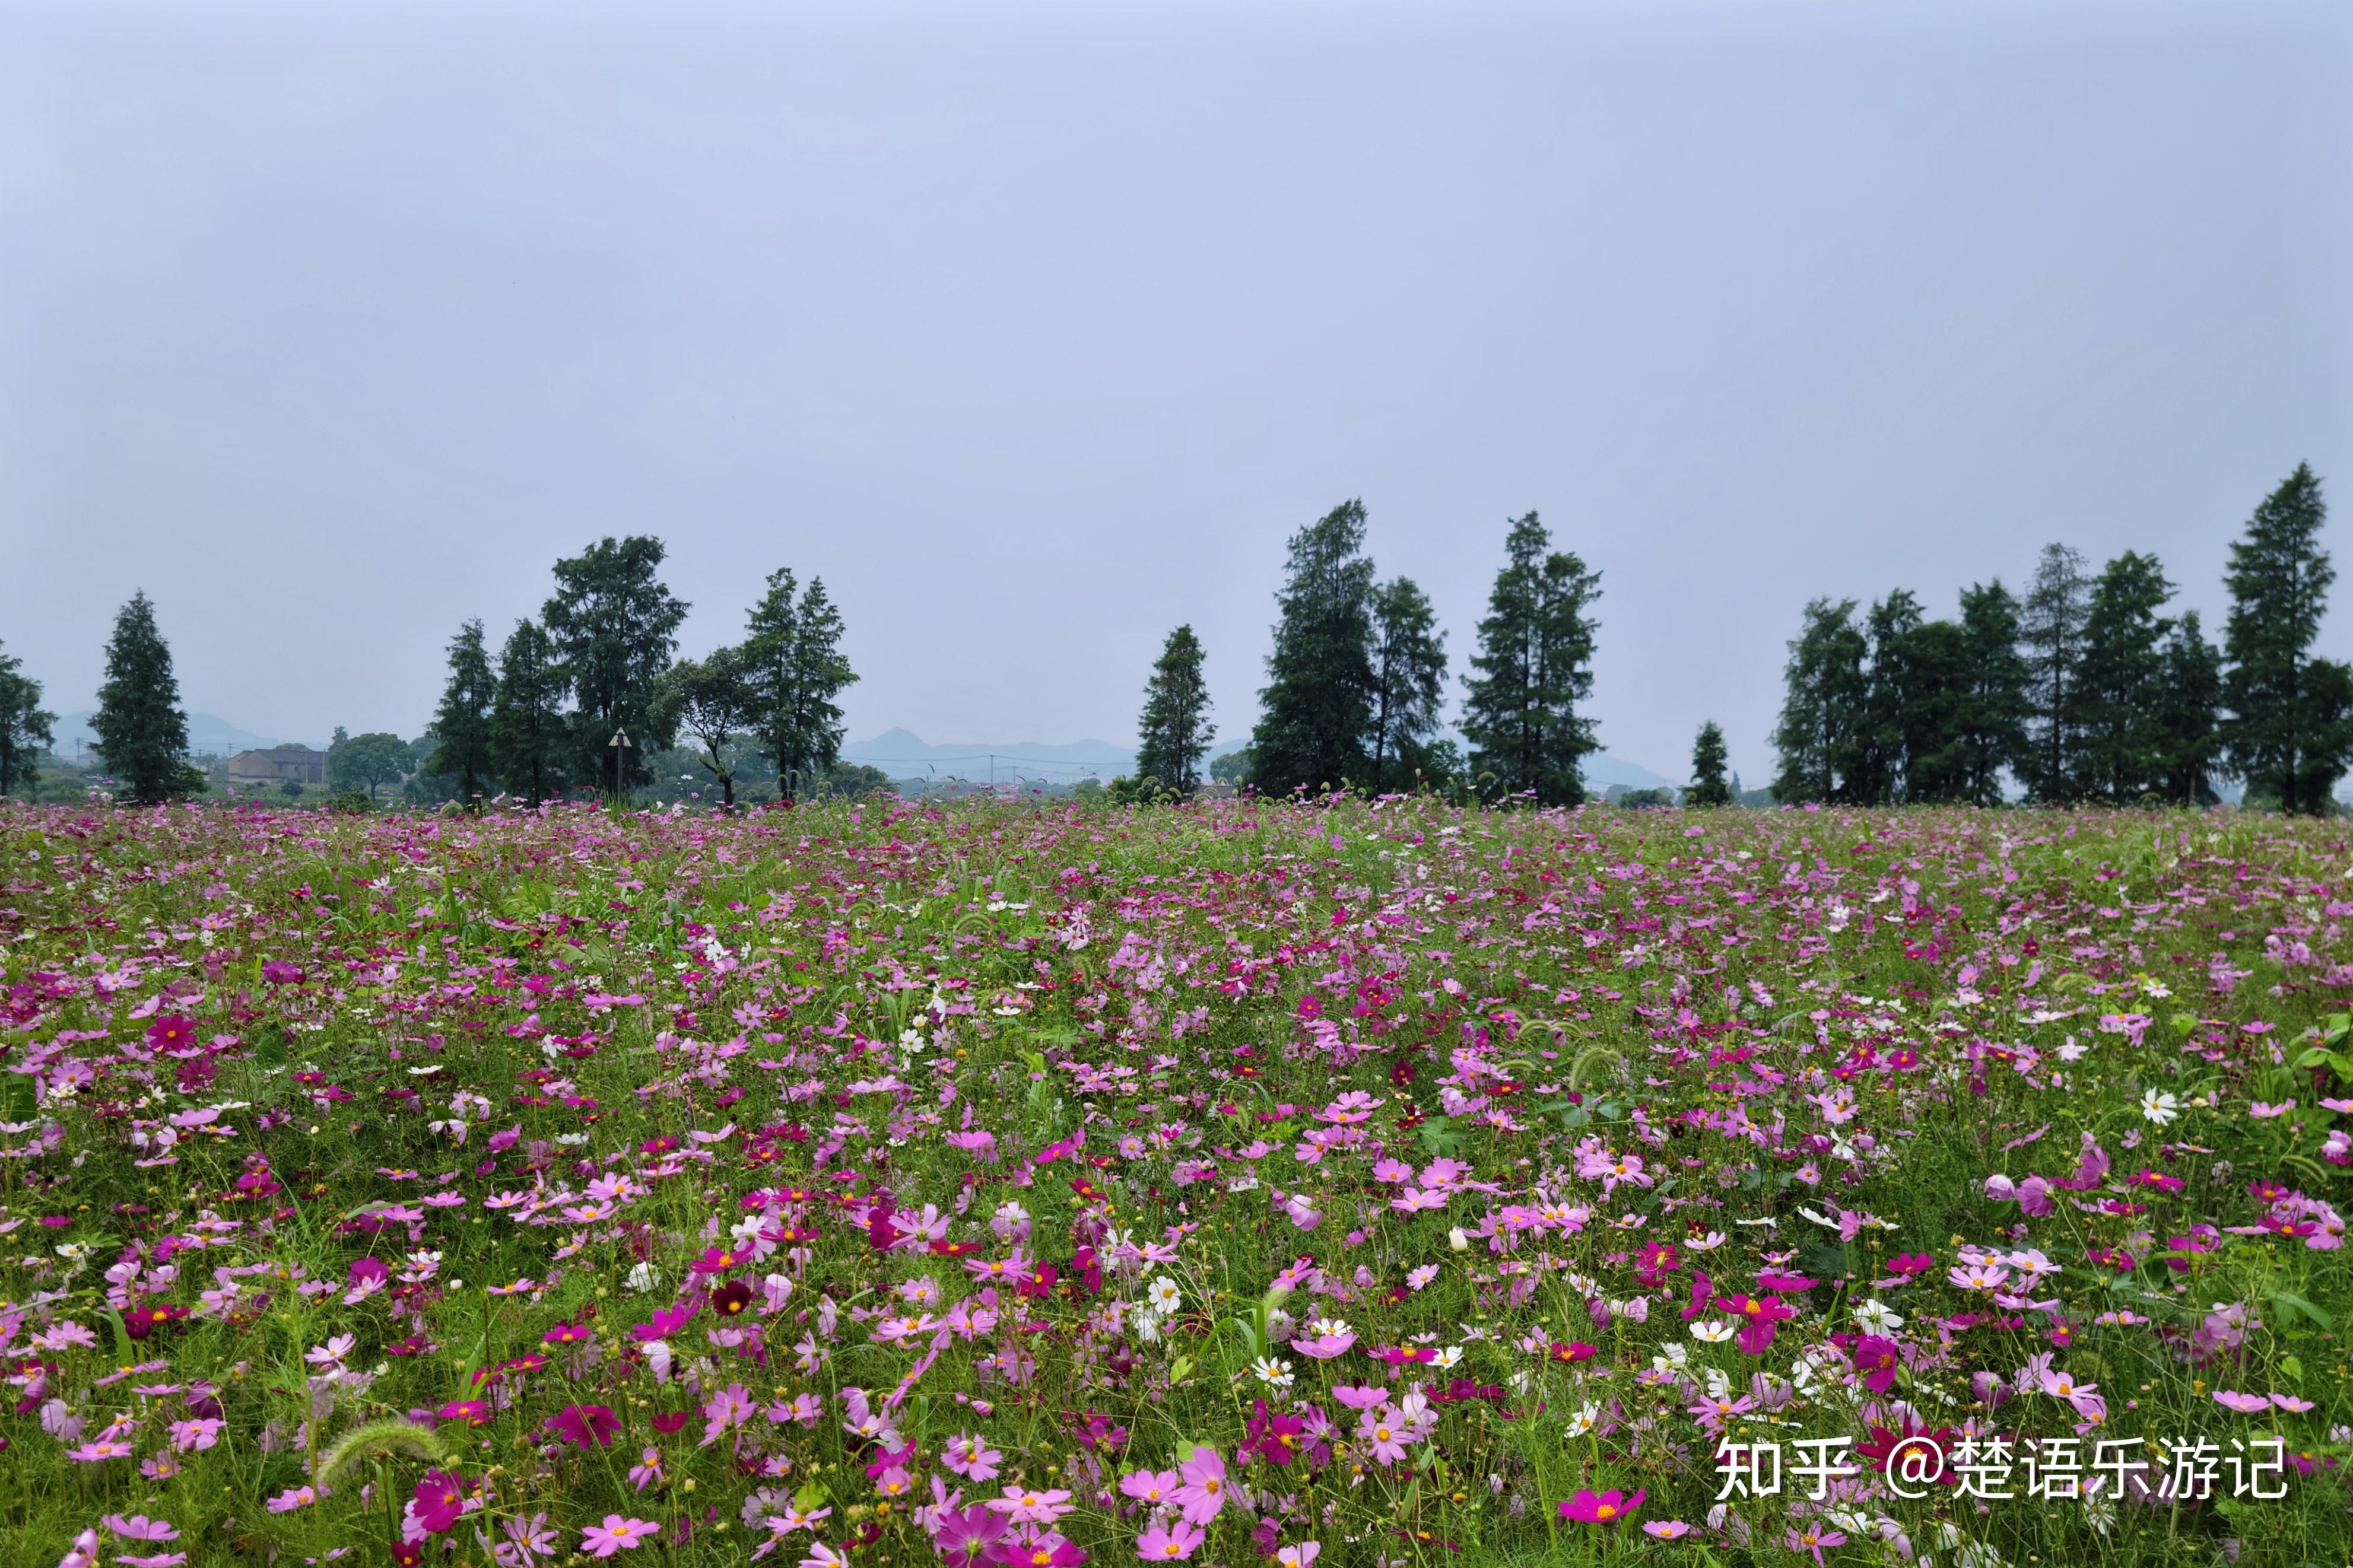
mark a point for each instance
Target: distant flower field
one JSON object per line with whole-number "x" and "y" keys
{"x": 1370, "y": 1185}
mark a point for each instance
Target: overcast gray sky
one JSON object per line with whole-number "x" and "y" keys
{"x": 1035, "y": 331}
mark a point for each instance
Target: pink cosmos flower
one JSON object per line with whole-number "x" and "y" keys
{"x": 1814, "y": 1539}
{"x": 730, "y": 1406}
{"x": 2289, "y": 1402}
{"x": 1384, "y": 1433}
{"x": 1203, "y": 1491}
{"x": 2245, "y": 1404}
{"x": 1021, "y": 1505}
{"x": 1150, "y": 1486}
{"x": 971, "y": 1458}
{"x": 1179, "y": 1541}
{"x": 1666, "y": 1528}
{"x": 616, "y": 1534}
{"x": 139, "y": 1526}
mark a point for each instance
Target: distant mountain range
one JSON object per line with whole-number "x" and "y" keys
{"x": 208, "y": 735}
{"x": 903, "y": 755}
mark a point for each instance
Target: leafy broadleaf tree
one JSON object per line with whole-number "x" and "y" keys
{"x": 1822, "y": 706}
{"x": 366, "y": 762}
{"x": 2291, "y": 726}
{"x": 615, "y": 626}
{"x": 530, "y": 741}
{"x": 1175, "y": 728}
{"x": 2052, "y": 630}
{"x": 1534, "y": 665}
{"x": 1316, "y": 705}
{"x": 710, "y": 701}
{"x": 462, "y": 725}
{"x": 794, "y": 665}
{"x": 2120, "y": 682}
{"x": 142, "y": 731}
{"x": 2188, "y": 714}
{"x": 1409, "y": 664}
{"x": 26, "y": 731}
{"x": 1708, "y": 757}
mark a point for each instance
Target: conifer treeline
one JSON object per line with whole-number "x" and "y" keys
{"x": 1356, "y": 682}
{"x": 2085, "y": 690}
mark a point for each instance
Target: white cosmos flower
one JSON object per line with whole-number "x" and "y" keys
{"x": 1163, "y": 1294}
{"x": 1877, "y": 1317}
{"x": 1588, "y": 1417}
{"x": 2159, "y": 1108}
{"x": 1448, "y": 1357}
{"x": 1273, "y": 1372}
{"x": 1711, "y": 1333}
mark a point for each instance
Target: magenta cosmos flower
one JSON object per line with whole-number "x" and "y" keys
{"x": 582, "y": 1424}
{"x": 1600, "y": 1507}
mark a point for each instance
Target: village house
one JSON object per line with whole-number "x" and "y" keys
{"x": 277, "y": 765}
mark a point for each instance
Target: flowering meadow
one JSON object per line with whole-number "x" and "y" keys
{"x": 1358, "y": 1183}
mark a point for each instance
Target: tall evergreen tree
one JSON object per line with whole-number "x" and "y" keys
{"x": 530, "y": 741}
{"x": 1409, "y": 664}
{"x": 1824, "y": 691}
{"x": 142, "y": 733}
{"x": 1707, "y": 786}
{"x": 2188, "y": 714}
{"x": 26, "y": 731}
{"x": 461, "y": 724}
{"x": 795, "y": 669}
{"x": 1175, "y": 728}
{"x": 711, "y": 701}
{"x": 615, "y": 626}
{"x": 1988, "y": 723}
{"x": 2052, "y": 631}
{"x": 1934, "y": 659}
{"x": 1317, "y": 703}
{"x": 1896, "y": 717}
{"x": 1534, "y": 665}
{"x": 2120, "y": 681}
{"x": 2291, "y": 727}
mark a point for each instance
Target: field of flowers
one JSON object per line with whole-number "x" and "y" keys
{"x": 1373, "y": 1184}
